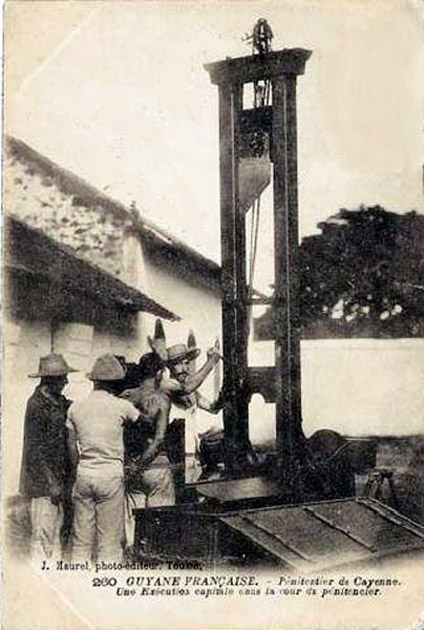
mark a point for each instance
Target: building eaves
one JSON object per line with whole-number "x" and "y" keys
{"x": 47, "y": 258}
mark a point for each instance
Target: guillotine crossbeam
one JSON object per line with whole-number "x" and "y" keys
{"x": 258, "y": 67}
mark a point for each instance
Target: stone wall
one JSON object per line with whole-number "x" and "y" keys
{"x": 65, "y": 209}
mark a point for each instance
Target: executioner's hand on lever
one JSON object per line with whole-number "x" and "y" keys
{"x": 214, "y": 352}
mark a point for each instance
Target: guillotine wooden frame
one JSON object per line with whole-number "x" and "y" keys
{"x": 280, "y": 383}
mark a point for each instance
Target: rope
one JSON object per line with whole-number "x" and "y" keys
{"x": 253, "y": 251}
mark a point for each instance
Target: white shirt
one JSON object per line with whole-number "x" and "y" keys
{"x": 98, "y": 424}
{"x": 197, "y": 422}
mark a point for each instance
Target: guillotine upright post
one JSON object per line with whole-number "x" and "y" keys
{"x": 281, "y": 68}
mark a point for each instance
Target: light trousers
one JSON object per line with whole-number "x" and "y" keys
{"x": 98, "y": 517}
{"x": 46, "y": 523}
{"x": 156, "y": 489}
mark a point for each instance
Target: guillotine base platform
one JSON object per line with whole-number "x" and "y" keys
{"x": 299, "y": 538}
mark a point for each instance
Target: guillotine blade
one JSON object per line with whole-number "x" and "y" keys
{"x": 254, "y": 177}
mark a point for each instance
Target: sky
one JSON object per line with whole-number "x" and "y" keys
{"x": 117, "y": 93}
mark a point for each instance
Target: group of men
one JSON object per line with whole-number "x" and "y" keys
{"x": 101, "y": 456}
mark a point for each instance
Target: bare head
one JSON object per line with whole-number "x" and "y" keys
{"x": 150, "y": 367}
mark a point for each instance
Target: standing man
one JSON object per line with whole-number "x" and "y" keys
{"x": 45, "y": 464}
{"x": 145, "y": 443}
{"x": 95, "y": 437}
{"x": 149, "y": 481}
{"x": 180, "y": 360}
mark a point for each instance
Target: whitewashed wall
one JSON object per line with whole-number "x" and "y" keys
{"x": 358, "y": 387}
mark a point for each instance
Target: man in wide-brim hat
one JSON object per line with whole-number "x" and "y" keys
{"x": 45, "y": 464}
{"x": 188, "y": 400}
{"x": 179, "y": 358}
{"x": 95, "y": 437}
{"x": 180, "y": 352}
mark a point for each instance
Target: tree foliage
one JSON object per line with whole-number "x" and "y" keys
{"x": 363, "y": 275}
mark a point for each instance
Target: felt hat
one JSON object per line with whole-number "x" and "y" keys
{"x": 52, "y": 365}
{"x": 106, "y": 368}
{"x": 179, "y": 352}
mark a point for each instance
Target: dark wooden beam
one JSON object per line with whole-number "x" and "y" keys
{"x": 287, "y": 342}
{"x": 230, "y": 102}
{"x": 242, "y": 403}
{"x": 261, "y": 301}
{"x": 256, "y": 67}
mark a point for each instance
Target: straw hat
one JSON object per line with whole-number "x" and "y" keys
{"x": 52, "y": 365}
{"x": 179, "y": 352}
{"x": 106, "y": 368}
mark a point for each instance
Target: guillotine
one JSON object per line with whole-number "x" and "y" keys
{"x": 268, "y": 130}
{"x": 302, "y": 512}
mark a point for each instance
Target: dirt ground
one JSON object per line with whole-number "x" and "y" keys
{"x": 404, "y": 458}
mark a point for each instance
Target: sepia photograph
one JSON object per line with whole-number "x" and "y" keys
{"x": 213, "y": 315}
